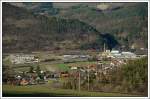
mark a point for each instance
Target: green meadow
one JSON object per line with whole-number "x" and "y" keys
{"x": 47, "y": 91}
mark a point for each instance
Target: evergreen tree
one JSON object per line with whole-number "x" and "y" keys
{"x": 38, "y": 70}
{"x": 31, "y": 69}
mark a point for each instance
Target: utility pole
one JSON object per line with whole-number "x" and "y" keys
{"x": 88, "y": 79}
{"x": 96, "y": 70}
{"x": 88, "y": 66}
{"x": 79, "y": 81}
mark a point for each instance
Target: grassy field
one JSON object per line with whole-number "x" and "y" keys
{"x": 47, "y": 91}
{"x": 46, "y": 66}
{"x": 51, "y": 66}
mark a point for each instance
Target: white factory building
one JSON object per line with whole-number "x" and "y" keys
{"x": 22, "y": 58}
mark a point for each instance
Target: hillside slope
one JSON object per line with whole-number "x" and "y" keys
{"x": 25, "y": 31}
{"x": 126, "y": 21}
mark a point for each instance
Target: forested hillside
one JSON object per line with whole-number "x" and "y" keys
{"x": 127, "y": 22}
{"x": 81, "y": 25}
{"x": 23, "y": 30}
